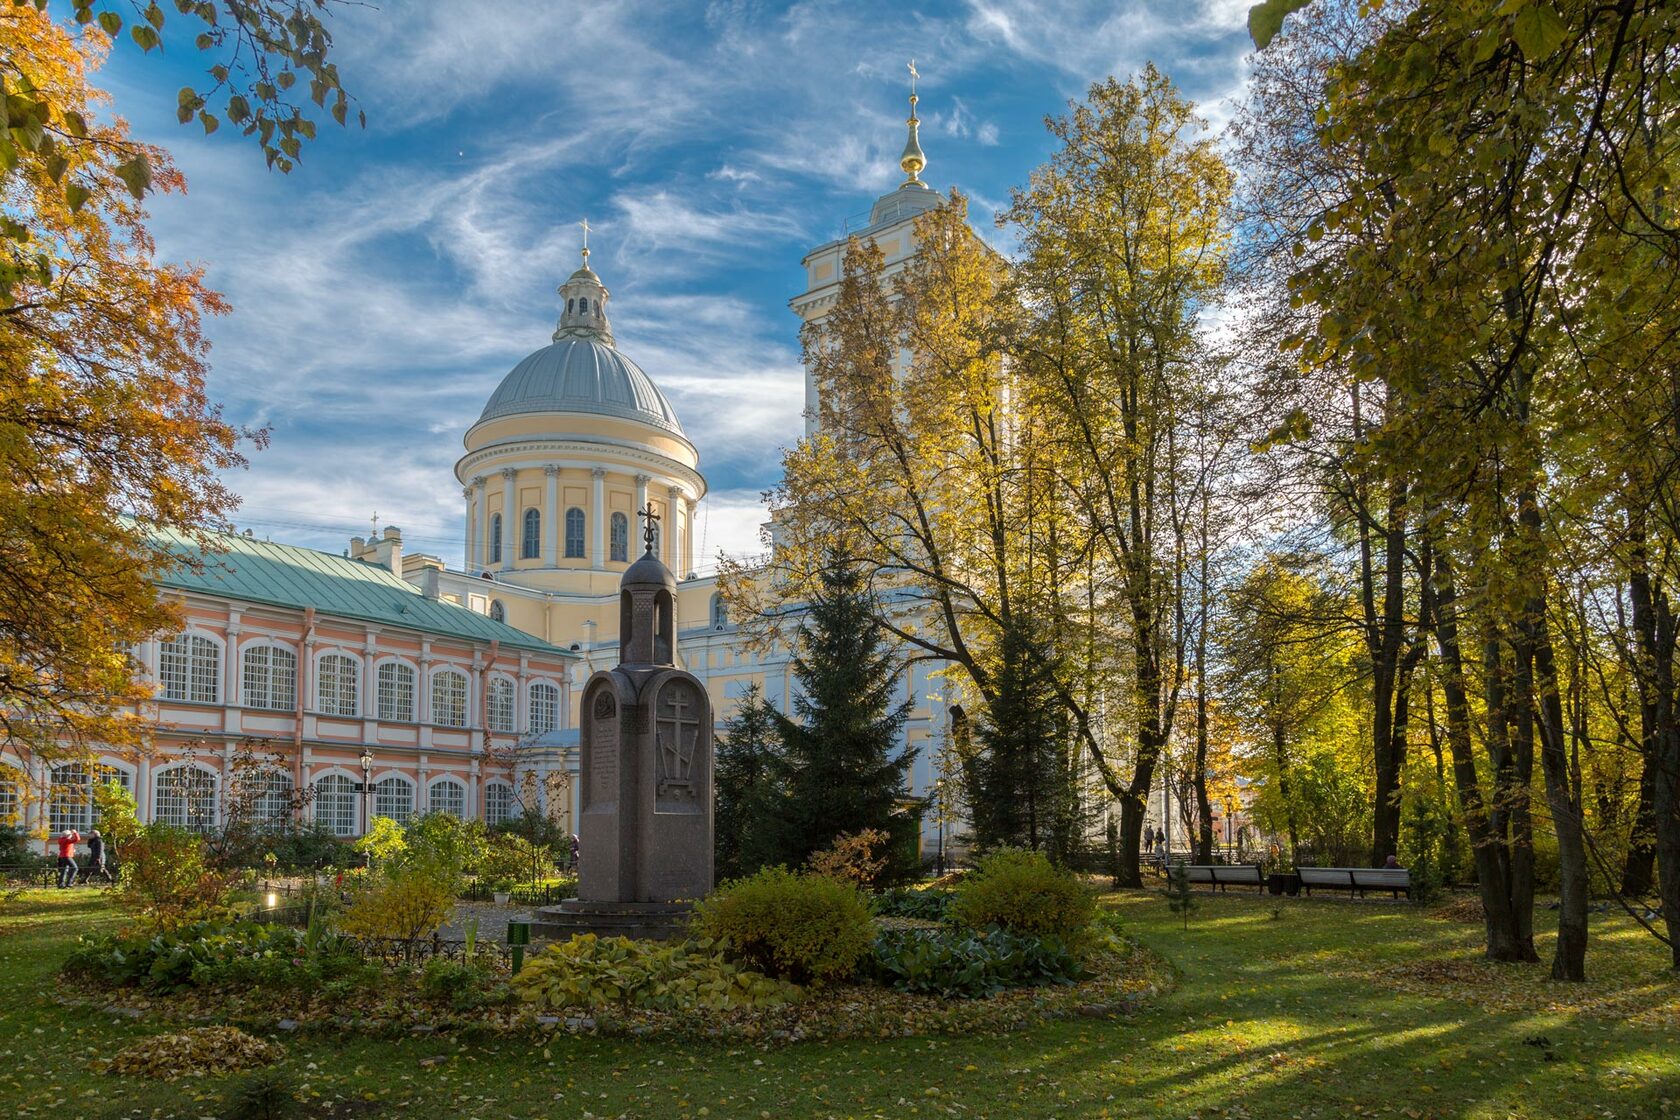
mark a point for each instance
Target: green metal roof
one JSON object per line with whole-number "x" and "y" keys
{"x": 285, "y": 575}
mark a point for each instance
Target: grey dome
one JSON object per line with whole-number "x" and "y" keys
{"x": 581, "y": 375}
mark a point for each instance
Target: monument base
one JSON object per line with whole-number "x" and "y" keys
{"x": 654, "y": 921}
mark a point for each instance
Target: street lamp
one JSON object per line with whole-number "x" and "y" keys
{"x": 1230, "y": 816}
{"x": 367, "y": 789}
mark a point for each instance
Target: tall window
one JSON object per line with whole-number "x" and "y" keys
{"x": 449, "y": 699}
{"x": 620, "y": 537}
{"x": 396, "y": 691}
{"x": 270, "y": 678}
{"x": 70, "y": 798}
{"x": 501, "y": 704}
{"x": 495, "y": 538}
{"x": 530, "y": 544}
{"x": 498, "y": 613}
{"x": 574, "y": 533}
{"x": 335, "y": 804}
{"x": 545, "y": 708}
{"x": 190, "y": 668}
{"x": 11, "y": 803}
{"x": 720, "y": 613}
{"x": 272, "y": 805}
{"x": 185, "y": 796}
{"x": 335, "y": 687}
{"x": 393, "y": 798}
{"x": 448, "y": 796}
{"x": 498, "y": 802}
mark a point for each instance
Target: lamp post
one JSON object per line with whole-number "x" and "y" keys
{"x": 1230, "y": 814}
{"x": 367, "y": 789}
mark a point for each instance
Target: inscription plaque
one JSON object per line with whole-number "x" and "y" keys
{"x": 603, "y": 749}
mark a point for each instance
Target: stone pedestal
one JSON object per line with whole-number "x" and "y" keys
{"x": 645, "y": 826}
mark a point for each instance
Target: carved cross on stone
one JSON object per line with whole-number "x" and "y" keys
{"x": 649, "y": 529}
{"x": 678, "y": 732}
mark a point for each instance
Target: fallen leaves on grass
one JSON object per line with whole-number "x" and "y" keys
{"x": 195, "y": 1053}
{"x": 1650, "y": 1001}
{"x": 1461, "y": 908}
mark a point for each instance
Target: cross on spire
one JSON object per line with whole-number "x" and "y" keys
{"x": 585, "y": 225}
{"x": 913, "y": 77}
{"x": 649, "y": 529}
{"x": 375, "y": 533}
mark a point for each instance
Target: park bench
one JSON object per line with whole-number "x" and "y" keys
{"x": 1220, "y": 875}
{"x": 1357, "y": 880}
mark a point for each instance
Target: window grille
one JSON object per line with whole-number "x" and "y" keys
{"x": 270, "y": 678}
{"x": 185, "y": 796}
{"x": 190, "y": 669}
{"x": 449, "y": 796}
{"x": 498, "y": 802}
{"x": 449, "y": 699}
{"x": 336, "y": 686}
{"x": 545, "y": 708}
{"x": 70, "y": 795}
{"x": 393, "y": 798}
{"x": 272, "y": 806}
{"x": 335, "y": 804}
{"x": 501, "y": 705}
{"x": 396, "y": 691}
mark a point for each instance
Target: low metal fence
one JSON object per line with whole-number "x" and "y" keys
{"x": 542, "y": 894}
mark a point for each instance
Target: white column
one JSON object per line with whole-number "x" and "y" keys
{"x": 552, "y": 474}
{"x": 642, "y": 481}
{"x": 476, "y": 518}
{"x": 469, "y": 556}
{"x": 690, "y": 506}
{"x": 510, "y": 515}
{"x": 598, "y": 519}
{"x": 674, "y": 537}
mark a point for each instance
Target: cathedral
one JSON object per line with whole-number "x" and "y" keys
{"x": 575, "y": 441}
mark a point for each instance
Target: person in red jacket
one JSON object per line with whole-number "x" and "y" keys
{"x": 67, "y": 841}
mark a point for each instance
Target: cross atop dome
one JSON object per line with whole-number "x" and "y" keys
{"x": 583, "y": 302}
{"x": 913, "y": 161}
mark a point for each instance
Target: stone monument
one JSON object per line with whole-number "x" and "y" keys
{"x": 645, "y": 795}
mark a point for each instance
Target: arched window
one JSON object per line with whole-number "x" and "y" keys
{"x": 597, "y": 307}
{"x": 449, "y": 699}
{"x": 448, "y": 796}
{"x": 336, "y": 685}
{"x": 271, "y": 799}
{"x": 530, "y": 544}
{"x": 11, "y": 798}
{"x": 495, "y": 538}
{"x": 545, "y": 708}
{"x": 498, "y": 802}
{"x": 396, "y": 691}
{"x": 190, "y": 668}
{"x": 185, "y": 796}
{"x": 574, "y": 533}
{"x": 501, "y": 704}
{"x": 620, "y": 537}
{"x": 270, "y": 678}
{"x": 335, "y": 804}
{"x": 571, "y": 306}
{"x": 720, "y": 613}
{"x": 70, "y": 797}
{"x": 498, "y": 612}
{"x": 394, "y": 798}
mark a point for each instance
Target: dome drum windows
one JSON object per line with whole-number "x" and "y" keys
{"x": 574, "y": 534}
{"x": 620, "y": 538}
{"x": 530, "y": 542}
{"x": 495, "y": 538}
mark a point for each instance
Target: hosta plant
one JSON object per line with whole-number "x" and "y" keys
{"x": 589, "y": 972}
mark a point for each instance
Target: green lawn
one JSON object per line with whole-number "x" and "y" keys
{"x": 1329, "y": 1009}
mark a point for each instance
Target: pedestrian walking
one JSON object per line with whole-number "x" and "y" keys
{"x": 98, "y": 856}
{"x": 67, "y": 841}
{"x": 1149, "y": 838}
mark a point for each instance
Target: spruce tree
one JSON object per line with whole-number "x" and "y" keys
{"x": 1022, "y": 788}
{"x": 744, "y": 776}
{"x": 842, "y": 768}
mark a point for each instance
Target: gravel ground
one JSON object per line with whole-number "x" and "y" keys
{"x": 492, "y": 920}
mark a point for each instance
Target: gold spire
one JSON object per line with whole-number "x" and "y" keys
{"x": 585, "y": 225}
{"x": 913, "y": 161}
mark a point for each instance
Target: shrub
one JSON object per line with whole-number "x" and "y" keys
{"x": 796, "y": 927}
{"x": 510, "y": 859}
{"x": 531, "y": 894}
{"x": 403, "y": 902}
{"x": 384, "y": 840}
{"x": 930, "y": 905}
{"x": 967, "y": 965}
{"x": 167, "y": 879}
{"x": 1021, "y": 891}
{"x": 591, "y": 972}
{"x": 311, "y": 847}
{"x": 859, "y": 858}
{"x": 264, "y": 1095}
{"x": 465, "y": 986}
{"x": 210, "y": 954}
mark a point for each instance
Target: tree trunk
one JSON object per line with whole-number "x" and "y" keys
{"x": 1509, "y": 934}
{"x": 1639, "y": 870}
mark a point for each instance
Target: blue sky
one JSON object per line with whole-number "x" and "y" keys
{"x": 383, "y": 289}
